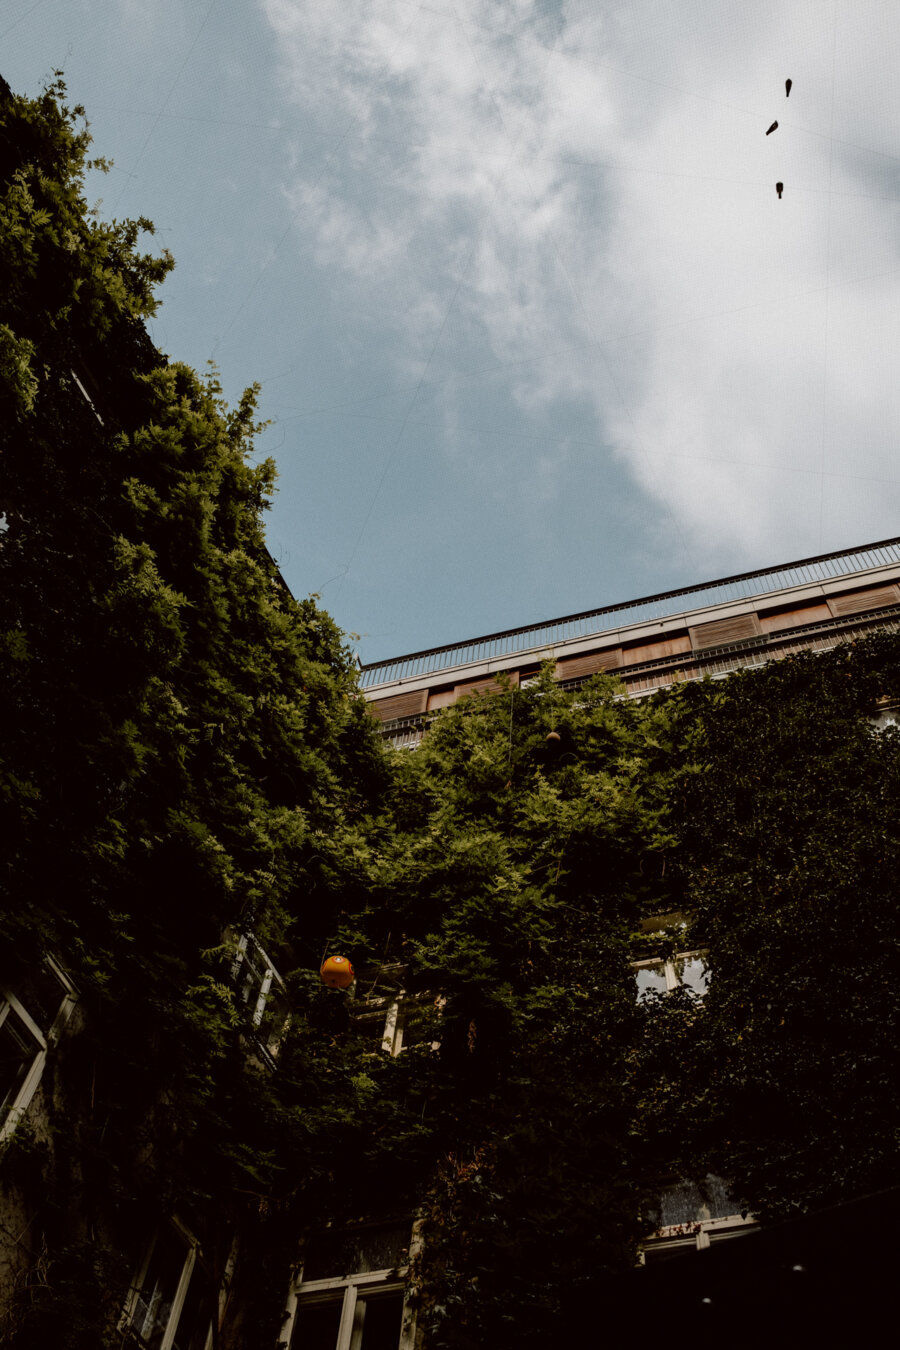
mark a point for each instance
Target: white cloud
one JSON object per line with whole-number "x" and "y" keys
{"x": 580, "y": 204}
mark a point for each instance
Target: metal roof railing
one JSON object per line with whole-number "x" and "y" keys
{"x": 534, "y": 637}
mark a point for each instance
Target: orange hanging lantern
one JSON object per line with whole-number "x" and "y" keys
{"x": 337, "y": 972}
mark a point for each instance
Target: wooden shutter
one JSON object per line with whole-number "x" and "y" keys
{"x": 441, "y": 698}
{"x": 656, "y": 651}
{"x": 574, "y": 667}
{"x": 794, "y": 618}
{"x": 488, "y": 685}
{"x": 399, "y": 705}
{"x": 723, "y": 632}
{"x": 857, "y": 602}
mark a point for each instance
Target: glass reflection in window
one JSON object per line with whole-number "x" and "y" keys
{"x": 691, "y": 971}
{"x": 651, "y": 979}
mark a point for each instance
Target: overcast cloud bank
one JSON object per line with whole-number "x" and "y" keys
{"x": 575, "y": 205}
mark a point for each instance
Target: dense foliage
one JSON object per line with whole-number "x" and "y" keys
{"x": 185, "y": 758}
{"x": 177, "y": 731}
{"x": 517, "y": 867}
{"x": 793, "y": 835}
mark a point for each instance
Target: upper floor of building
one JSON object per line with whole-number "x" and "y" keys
{"x": 706, "y": 630}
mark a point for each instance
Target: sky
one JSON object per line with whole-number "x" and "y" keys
{"x": 533, "y": 330}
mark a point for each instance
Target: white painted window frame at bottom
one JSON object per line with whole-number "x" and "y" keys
{"x": 324, "y": 1291}
{"x": 700, "y": 1234}
{"x": 8, "y": 1002}
{"x": 375, "y": 1281}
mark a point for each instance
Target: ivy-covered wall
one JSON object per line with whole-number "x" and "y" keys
{"x": 790, "y": 822}
{"x": 185, "y": 757}
{"x": 178, "y": 734}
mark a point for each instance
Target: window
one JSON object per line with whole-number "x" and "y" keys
{"x": 688, "y": 969}
{"x": 689, "y": 1215}
{"x": 350, "y": 1293}
{"x": 411, "y": 1021}
{"x": 370, "y": 1018}
{"x": 261, "y": 993}
{"x": 401, "y": 1021}
{"x": 885, "y": 717}
{"x": 171, "y": 1304}
{"x": 31, "y": 1020}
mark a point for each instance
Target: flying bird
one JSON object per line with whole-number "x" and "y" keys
{"x": 787, "y": 88}
{"x": 772, "y": 128}
{"x": 779, "y": 188}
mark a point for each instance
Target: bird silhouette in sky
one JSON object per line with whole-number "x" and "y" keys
{"x": 772, "y": 128}
{"x": 787, "y": 88}
{"x": 779, "y": 188}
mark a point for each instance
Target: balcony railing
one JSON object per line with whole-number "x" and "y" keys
{"x": 535, "y": 637}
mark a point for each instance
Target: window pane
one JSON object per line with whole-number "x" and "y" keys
{"x": 41, "y": 995}
{"x": 691, "y": 971}
{"x": 383, "y": 1248}
{"x": 316, "y": 1326}
{"x": 196, "y": 1313}
{"x": 273, "y": 1023}
{"x": 381, "y": 1327}
{"x": 371, "y": 1024}
{"x": 418, "y": 1024}
{"x": 17, "y": 1051}
{"x": 154, "y": 1305}
{"x": 651, "y": 979}
{"x": 685, "y": 1203}
{"x": 330, "y": 1255}
{"x": 252, "y": 973}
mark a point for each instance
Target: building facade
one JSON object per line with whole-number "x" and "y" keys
{"x": 710, "y": 631}
{"x": 689, "y": 634}
{"x": 347, "y": 1288}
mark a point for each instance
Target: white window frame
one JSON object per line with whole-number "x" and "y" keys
{"x": 395, "y": 1008}
{"x": 698, "y": 1232}
{"x": 395, "y": 1022}
{"x": 668, "y": 965}
{"x": 43, "y": 1042}
{"x": 355, "y": 1290}
{"x": 700, "y": 1235}
{"x": 131, "y": 1309}
{"x": 248, "y": 950}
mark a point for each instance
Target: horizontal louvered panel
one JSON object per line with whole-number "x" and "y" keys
{"x": 721, "y": 632}
{"x": 574, "y": 667}
{"x": 486, "y": 686}
{"x": 441, "y": 698}
{"x": 857, "y": 602}
{"x": 655, "y": 651}
{"x": 794, "y": 618}
{"x": 399, "y": 705}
